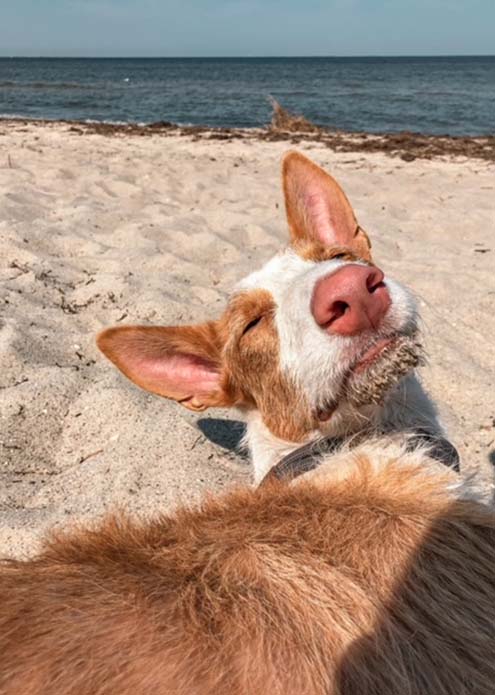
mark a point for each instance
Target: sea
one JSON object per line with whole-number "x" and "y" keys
{"x": 438, "y": 95}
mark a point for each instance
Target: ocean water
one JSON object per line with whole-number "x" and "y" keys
{"x": 451, "y": 95}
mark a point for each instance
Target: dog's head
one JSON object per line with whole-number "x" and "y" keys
{"x": 318, "y": 331}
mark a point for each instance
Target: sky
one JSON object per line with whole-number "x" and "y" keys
{"x": 246, "y": 27}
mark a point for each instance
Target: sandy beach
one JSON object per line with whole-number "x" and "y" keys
{"x": 98, "y": 229}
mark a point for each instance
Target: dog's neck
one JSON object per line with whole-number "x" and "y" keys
{"x": 406, "y": 409}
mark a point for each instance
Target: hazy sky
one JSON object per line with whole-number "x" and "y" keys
{"x": 246, "y": 27}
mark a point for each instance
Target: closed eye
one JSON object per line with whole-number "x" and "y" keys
{"x": 251, "y": 324}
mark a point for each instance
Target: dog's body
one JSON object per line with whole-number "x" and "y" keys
{"x": 371, "y": 575}
{"x": 378, "y": 584}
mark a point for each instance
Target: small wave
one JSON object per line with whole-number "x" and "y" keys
{"x": 109, "y": 122}
{"x": 89, "y": 121}
{"x": 9, "y": 84}
{"x": 18, "y": 117}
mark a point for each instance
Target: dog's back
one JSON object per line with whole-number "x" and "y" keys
{"x": 378, "y": 583}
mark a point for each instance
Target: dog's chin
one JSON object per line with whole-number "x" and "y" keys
{"x": 380, "y": 368}
{"x": 375, "y": 372}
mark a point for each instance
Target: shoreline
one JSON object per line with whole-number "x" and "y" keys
{"x": 285, "y": 127}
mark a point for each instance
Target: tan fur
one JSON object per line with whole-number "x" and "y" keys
{"x": 252, "y": 364}
{"x": 248, "y": 364}
{"x": 315, "y": 251}
{"x": 378, "y": 584}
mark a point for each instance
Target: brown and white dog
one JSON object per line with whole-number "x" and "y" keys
{"x": 371, "y": 575}
{"x": 316, "y": 343}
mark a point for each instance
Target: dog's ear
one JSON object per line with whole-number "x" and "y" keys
{"x": 318, "y": 209}
{"x": 182, "y": 363}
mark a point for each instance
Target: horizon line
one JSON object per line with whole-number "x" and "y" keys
{"x": 243, "y": 57}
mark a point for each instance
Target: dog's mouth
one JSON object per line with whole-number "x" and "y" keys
{"x": 376, "y": 371}
{"x": 371, "y": 355}
{"x": 381, "y": 367}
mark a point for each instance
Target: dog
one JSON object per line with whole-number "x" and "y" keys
{"x": 360, "y": 563}
{"x": 318, "y": 343}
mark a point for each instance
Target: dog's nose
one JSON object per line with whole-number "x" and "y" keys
{"x": 350, "y": 300}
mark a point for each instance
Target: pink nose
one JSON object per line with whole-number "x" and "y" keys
{"x": 350, "y": 300}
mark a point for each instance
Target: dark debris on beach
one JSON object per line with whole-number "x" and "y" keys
{"x": 295, "y": 129}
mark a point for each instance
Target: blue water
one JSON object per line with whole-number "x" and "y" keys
{"x": 431, "y": 95}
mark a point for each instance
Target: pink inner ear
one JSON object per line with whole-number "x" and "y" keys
{"x": 318, "y": 212}
{"x": 179, "y": 374}
{"x": 330, "y": 217}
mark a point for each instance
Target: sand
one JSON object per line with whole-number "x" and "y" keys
{"x": 97, "y": 230}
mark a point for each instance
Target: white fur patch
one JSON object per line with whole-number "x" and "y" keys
{"x": 278, "y": 273}
{"x": 313, "y": 358}
{"x": 382, "y": 452}
{"x": 318, "y": 361}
